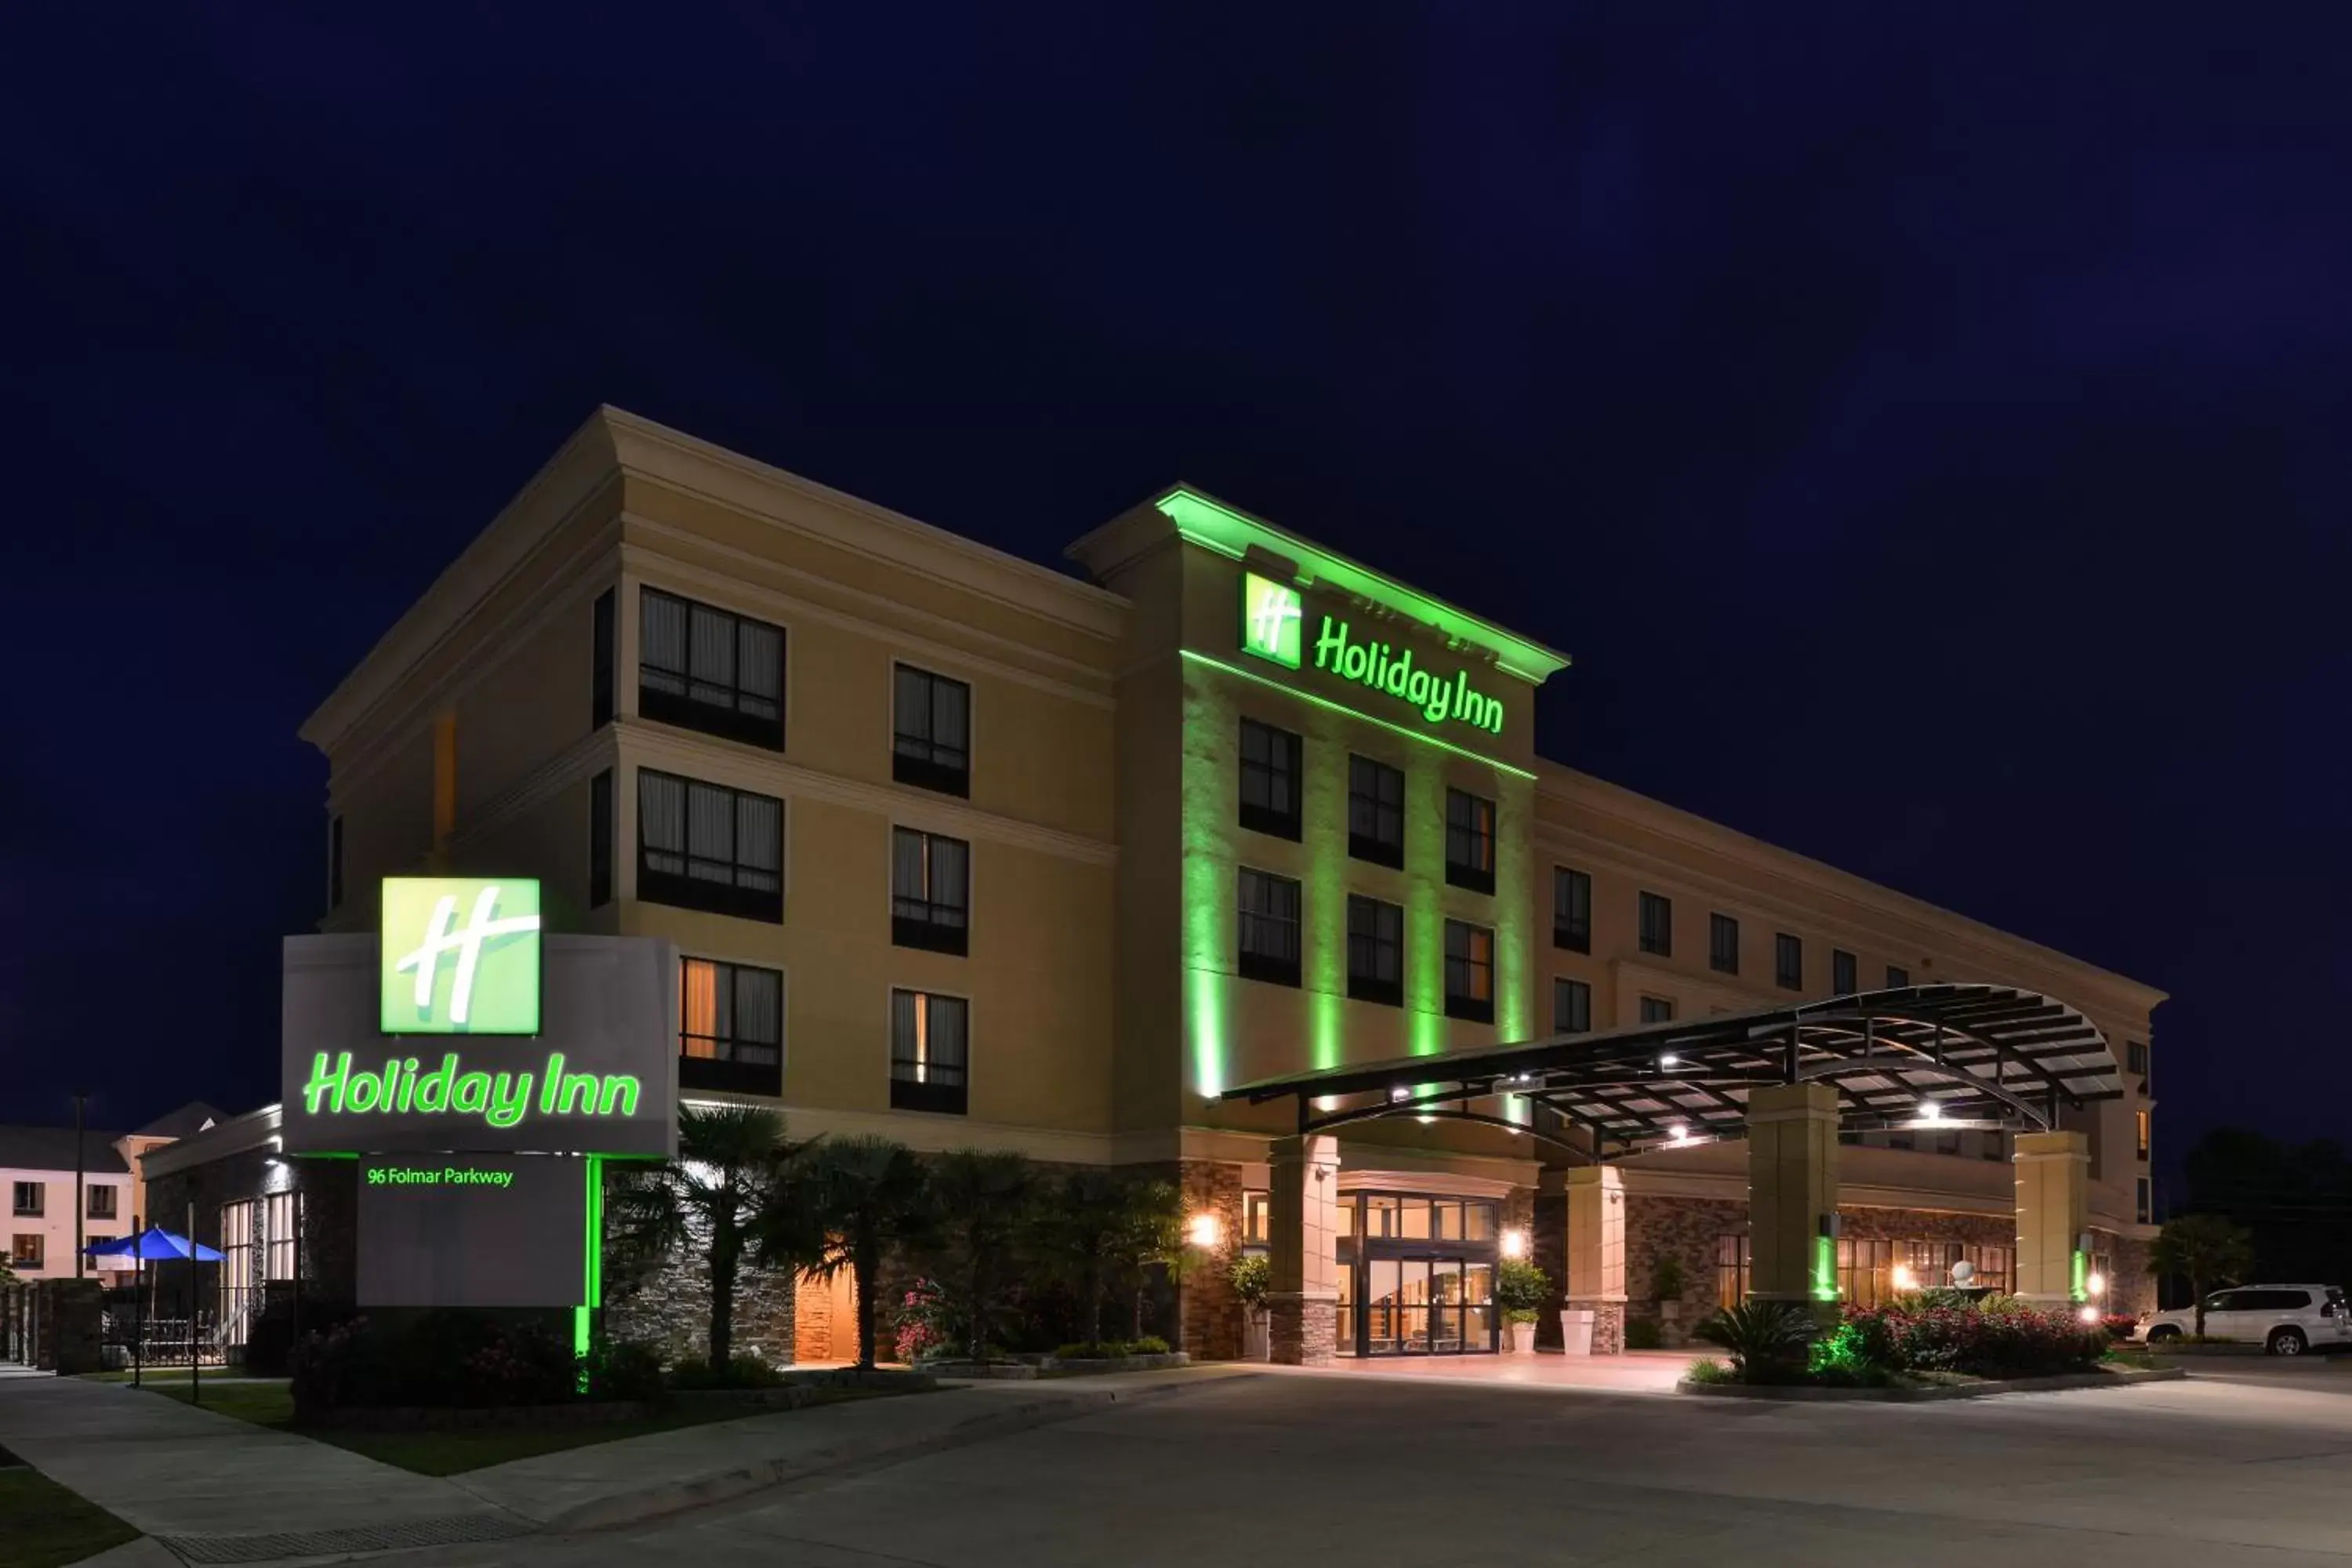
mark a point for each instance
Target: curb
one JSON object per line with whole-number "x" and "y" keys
{"x": 1799, "y": 1395}
{"x": 616, "y": 1510}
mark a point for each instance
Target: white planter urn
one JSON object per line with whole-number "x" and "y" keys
{"x": 1523, "y": 1338}
{"x": 1576, "y": 1329}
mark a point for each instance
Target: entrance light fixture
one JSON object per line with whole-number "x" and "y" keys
{"x": 2096, "y": 1284}
{"x": 1515, "y": 1243}
{"x": 1905, "y": 1279}
{"x": 2089, "y": 1314}
{"x": 1206, "y": 1230}
{"x": 1670, "y": 1061}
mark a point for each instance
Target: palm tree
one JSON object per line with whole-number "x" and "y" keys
{"x": 715, "y": 1195}
{"x": 2205, "y": 1249}
{"x": 1080, "y": 1229}
{"x": 844, "y": 1202}
{"x": 981, "y": 1204}
{"x": 1153, "y": 1232}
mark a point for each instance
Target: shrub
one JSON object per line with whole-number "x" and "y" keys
{"x": 1252, "y": 1276}
{"x": 1666, "y": 1282}
{"x": 1711, "y": 1372}
{"x": 1149, "y": 1344}
{"x": 1520, "y": 1290}
{"x": 1096, "y": 1350}
{"x": 1999, "y": 1337}
{"x": 269, "y": 1343}
{"x": 1766, "y": 1340}
{"x": 624, "y": 1371}
{"x": 442, "y": 1358}
{"x": 1644, "y": 1335}
{"x": 922, "y": 1328}
{"x": 741, "y": 1372}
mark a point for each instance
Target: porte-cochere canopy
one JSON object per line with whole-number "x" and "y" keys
{"x": 1916, "y": 1056}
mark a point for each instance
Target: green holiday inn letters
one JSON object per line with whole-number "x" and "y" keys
{"x": 1272, "y": 621}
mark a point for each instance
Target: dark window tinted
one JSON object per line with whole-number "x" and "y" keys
{"x": 1375, "y": 950}
{"x": 1469, "y": 972}
{"x": 1657, "y": 1010}
{"x": 1270, "y": 779}
{"x": 931, "y": 730}
{"x": 600, "y": 674}
{"x": 930, "y": 892}
{"x": 700, "y": 667}
{"x": 1375, "y": 812}
{"x": 1571, "y": 909}
{"x": 705, "y": 846}
{"x": 1844, "y": 976}
{"x": 1657, "y": 925}
{"x": 1723, "y": 944}
{"x": 1787, "y": 963}
{"x": 1269, "y": 927}
{"x": 1571, "y": 1007}
{"x": 1897, "y": 977}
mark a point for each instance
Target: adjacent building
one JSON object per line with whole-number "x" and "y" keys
{"x": 38, "y": 1173}
{"x": 963, "y": 850}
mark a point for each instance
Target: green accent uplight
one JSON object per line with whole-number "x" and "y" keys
{"x": 1270, "y": 617}
{"x": 2079, "y": 1279}
{"x": 438, "y": 977}
{"x": 1825, "y": 1282}
{"x": 1210, "y": 523}
{"x": 1209, "y": 931}
{"x": 592, "y": 1279}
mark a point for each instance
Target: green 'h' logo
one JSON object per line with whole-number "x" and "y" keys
{"x": 460, "y": 955}
{"x": 1270, "y": 617}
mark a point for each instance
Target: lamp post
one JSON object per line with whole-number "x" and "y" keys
{"x": 81, "y": 1098}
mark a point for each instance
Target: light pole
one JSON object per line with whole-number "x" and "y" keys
{"x": 81, "y": 1098}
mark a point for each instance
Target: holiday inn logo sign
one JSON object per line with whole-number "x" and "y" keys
{"x": 460, "y": 955}
{"x": 1272, "y": 624}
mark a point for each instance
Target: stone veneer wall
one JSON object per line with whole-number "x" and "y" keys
{"x": 668, "y": 1305}
{"x": 1209, "y": 1314}
{"x": 2130, "y": 1287}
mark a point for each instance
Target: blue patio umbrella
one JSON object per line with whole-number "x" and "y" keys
{"x": 153, "y": 1244}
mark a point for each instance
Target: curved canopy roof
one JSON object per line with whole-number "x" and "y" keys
{"x": 1917, "y": 1056}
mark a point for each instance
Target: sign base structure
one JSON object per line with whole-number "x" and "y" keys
{"x": 479, "y": 1230}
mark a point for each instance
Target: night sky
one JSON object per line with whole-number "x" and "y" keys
{"x": 1929, "y": 440}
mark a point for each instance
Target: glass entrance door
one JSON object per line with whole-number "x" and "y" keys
{"x": 1428, "y": 1305}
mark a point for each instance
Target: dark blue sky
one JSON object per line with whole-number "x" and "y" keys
{"x": 1930, "y": 438}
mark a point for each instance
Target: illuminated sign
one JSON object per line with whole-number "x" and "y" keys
{"x": 501, "y": 1100}
{"x": 1270, "y": 617}
{"x": 1273, "y": 619}
{"x": 442, "y": 978}
{"x": 438, "y": 1177}
{"x": 1393, "y": 672}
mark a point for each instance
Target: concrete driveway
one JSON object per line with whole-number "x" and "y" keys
{"x": 1348, "y": 1469}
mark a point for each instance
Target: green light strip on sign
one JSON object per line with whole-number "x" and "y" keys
{"x": 1213, "y": 663}
{"x": 592, "y": 1278}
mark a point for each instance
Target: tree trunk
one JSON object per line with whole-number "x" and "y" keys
{"x": 726, "y": 1246}
{"x": 861, "y": 1272}
{"x": 2197, "y": 1294}
{"x": 1094, "y": 1304}
{"x": 1137, "y": 1332}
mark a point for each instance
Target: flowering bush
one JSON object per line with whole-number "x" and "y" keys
{"x": 1998, "y": 1337}
{"x": 920, "y": 1327}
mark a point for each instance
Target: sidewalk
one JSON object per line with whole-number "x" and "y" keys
{"x": 218, "y": 1489}
{"x": 610, "y": 1484}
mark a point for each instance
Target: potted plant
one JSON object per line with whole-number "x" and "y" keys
{"x": 1251, "y": 1274}
{"x": 1520, "y": 1290}
{"x": 1668, "y": 1284}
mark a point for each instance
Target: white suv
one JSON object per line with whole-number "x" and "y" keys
{"x": 2285, "y": 1319}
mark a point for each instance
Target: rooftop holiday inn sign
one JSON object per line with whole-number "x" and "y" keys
{"x": 539, "y": 1043}
{"x": 1273, "y": 627}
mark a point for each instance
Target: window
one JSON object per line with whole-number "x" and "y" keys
{"x": 1375, "y": 950}
{"x": 100, "y": 1201}
{"x": 1723, "y": 944}
{"x": 1787, "y": 963}
{"x": 1844, "y": 975}
{"x": 1256, "y": 1219}
{"x": 28, "y": 1196}
{"x": 1270, "y": 764}
{"x": 700, "y": 667}
{"x": 1897, "y": 977}
{"x": 2136, "y": 1058}
{"x": 279, "y": 1214}
{"x": 25, "y": 1251}
{"x": 928, "y": 1052}
{"x": 931, "y": 731}
{"x": 1730, "y": 1270}
{"x": 731, "y": 1028}
{"x": 1269, "y": 928}
{"x": 1571, "y": 909}
{"x": 239, "y": 1276}
{"x": 1657, "y": 1010}
{"x": 2139, "y": 1129}
{"x": 930, "y": 892}
{"x": 1469, "y": 972}
{"x": 2141, "y": 1208}
{"x": 1375, "y": 812}
{"x": 1469, "y": 841}
{"x": 1657, "y": 925}
{"x": 1571, "y": 1007}
{"x": 600, "y": 840}
{"x": 334, "y": 862}
{"x": 599, "y": 672}
{"x": 1865, "y": 1267}
{"x": 705, "y": 846}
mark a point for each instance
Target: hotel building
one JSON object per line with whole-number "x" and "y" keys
{"x": 966, "y": 851}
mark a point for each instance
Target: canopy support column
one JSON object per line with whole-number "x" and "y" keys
{"x": 1596, "y": 1252}
{"x": 2052, "y": 1212}
{"x": 1302, "y": 1236}
{"x": 1792, "y": 1194}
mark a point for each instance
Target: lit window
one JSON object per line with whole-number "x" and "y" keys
{"x": 1469, "y": 841}
{"x": 1255, "y": 1218}
{"x": 731, "y": 1028}
{"x": 930, "y": 1052}
{"x": 2140, "y": 1120}
{"x": 1469, "y": 972}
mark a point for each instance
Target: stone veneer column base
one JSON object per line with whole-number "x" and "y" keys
{"x": 1607, "y": 1323}
{"x": 1300, "y": 1327}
